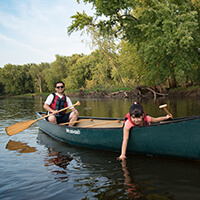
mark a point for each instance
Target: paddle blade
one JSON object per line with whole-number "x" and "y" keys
{"x": 16, "y": 128}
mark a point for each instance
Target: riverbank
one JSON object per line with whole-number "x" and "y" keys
{"x": 138, "y": 92}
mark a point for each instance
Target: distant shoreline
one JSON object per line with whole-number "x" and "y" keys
{"x": 140, "y": 92}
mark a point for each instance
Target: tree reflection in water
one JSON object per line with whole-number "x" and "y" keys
{"x": 58, "y": 159}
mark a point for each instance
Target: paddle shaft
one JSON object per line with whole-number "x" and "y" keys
{"x": 101, "y": 123}
{"x": 77, "y": 103}
{"x": 164, "y": 107}
{"x": 18, "y": 127}
{"x": 167, "y": 111}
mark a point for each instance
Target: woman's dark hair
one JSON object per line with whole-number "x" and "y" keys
{"x": 136, "y": 109}
{"x": 59, "y": 82}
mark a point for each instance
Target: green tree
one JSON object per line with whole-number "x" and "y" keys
{"x": 100, "y": 69}
{"x": 107, "y": 45}
{"x": 1, "y": 83}
{"x": 16, "y": 79}
{"x": 131, "y": 67}
{"x": 167, "y": 33}
{"x": 170, "y": 39}
{"x": 78, "y": 74}
{"x": 60, "y": 70}
{"x": 56, "y": 72}
{"x": 38, "y": 75}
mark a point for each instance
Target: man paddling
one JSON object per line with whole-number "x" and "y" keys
{"x": 57, "y": 101}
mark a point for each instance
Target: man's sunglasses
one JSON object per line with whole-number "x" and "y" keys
{"x": 60, "y": 87}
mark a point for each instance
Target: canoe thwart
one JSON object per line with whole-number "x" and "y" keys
{"x": 102, "y": 123}
{"x": 84, "y": 120}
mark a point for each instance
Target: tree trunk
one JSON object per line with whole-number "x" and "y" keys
{"x": 172, "y": 82}
{"x": 40, "y": 83}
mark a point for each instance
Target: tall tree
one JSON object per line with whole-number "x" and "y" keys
{"x": 59, "y": 70}
{"x": 107, "y": 45}
{"x": 167, "y": 33}
{"x": 16, "y": 79}
{"x": 79, "y": 72}
{"x": 38, "y": 74}
{"x": 101, "y": 71}
{"x": 131, "y": 67}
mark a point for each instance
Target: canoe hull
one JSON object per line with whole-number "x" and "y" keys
{"x": 179, "y": 138}
{"x": 101, "y": 138}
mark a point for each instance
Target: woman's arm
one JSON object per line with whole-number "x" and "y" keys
{"x": 159, "y": 119}
{"x": 124, "y": 143}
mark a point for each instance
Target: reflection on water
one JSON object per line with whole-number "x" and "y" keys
{"x": 99, "y": 172}
{"x": 133, "y": 187}
{"x": 142, "y": 189}
{"x": 60, "y": 160}
{"x": 19, "y": 109}
{"x": 95, "y": 174}
{"x": 57, "y": 158}
{"x": 19, "y": 147}
{"x": 49, "y": 169}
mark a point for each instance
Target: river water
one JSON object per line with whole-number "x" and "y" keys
{"x": 35, "y": 166}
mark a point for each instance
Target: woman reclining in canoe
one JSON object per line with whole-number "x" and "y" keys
{"x": 136, "y": 117}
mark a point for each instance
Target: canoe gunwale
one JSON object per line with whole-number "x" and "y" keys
{"x": 167, "y": 122}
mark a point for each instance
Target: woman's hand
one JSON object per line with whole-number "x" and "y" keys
{"x": 169, "y": 117}
{"x": 121, "y": 157}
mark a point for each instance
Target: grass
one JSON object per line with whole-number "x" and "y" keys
{"x": 182, "y": 89}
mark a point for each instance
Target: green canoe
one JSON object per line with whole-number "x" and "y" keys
{"x": 179, "y": 137}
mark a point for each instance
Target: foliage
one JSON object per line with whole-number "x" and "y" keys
{"x": 38, "y": 75}
{"x": 60, "y": 70}
{"x": 167, "y": 33}
{"x": 79, "y": 72}
{"x": 158, "y": 42}
{"x": 16, "y": 79}
{"x": 169, "y": 40}
{"x": 131, "y": 67}
{"x": 100, "y": 69}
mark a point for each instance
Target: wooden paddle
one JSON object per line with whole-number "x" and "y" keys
{"x": 164, "y": 107}
{"x": 16, "y": 128}
{"x": 84, "y": 120}
{"x": 102, "y": 123}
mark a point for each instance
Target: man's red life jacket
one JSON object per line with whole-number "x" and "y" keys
{"x": 59, "y": 103}
{"x": 128, "y": 117}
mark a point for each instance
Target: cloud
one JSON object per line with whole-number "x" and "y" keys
{"x": 18, "y": 43}
{"x": 37, "y": 30}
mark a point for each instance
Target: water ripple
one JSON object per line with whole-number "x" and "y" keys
{"x": 39, "y": 167}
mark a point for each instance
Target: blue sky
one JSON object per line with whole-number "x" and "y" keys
{"x": 34, "y": 31}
